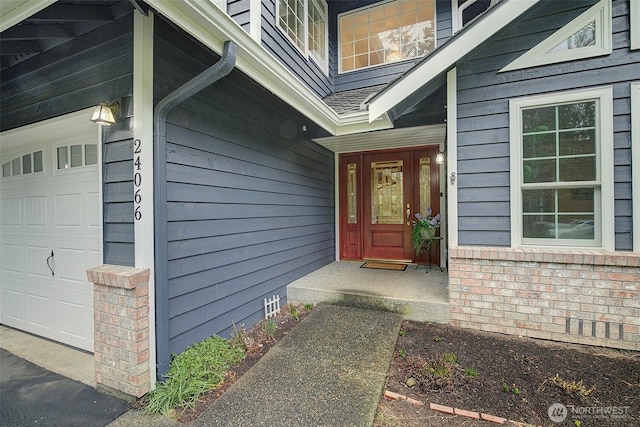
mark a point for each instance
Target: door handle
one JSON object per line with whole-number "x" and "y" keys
{"x": 49, "y": 265}
{"x": 408, "y": 213}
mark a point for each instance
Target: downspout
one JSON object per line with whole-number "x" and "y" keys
{"x": 160, "y": 113}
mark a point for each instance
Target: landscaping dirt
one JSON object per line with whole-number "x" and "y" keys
{"x": 507, "y": 376}
{"x": 501, "y": 375}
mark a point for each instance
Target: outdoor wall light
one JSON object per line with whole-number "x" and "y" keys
{"x": 440, "y": 158}
{"x": 104, "y": 114}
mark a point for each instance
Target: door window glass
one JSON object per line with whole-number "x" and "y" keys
{"x": 352, "y": 194}
{"x": 387, "y": 197}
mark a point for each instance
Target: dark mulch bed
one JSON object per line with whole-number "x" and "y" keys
{"x": 517, "y": 378}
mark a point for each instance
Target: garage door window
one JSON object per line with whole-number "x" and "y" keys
{"x": 72, "y": 156}
{"x": 23, "y": 165}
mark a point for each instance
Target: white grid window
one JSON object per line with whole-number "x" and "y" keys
{"x": 390, "y": 32}
{"x": 291, "y": 20}
{"x": 318, "y": 32}
{"x": 561, "y": 171}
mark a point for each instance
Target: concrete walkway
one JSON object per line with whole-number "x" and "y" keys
{"x": 329, "y": 371}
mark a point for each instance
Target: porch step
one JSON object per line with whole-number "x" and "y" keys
{"x": 412, "y": 293}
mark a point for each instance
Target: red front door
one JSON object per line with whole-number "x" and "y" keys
{"x": 380, "y": 192}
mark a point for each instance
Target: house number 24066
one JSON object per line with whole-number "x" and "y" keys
{"x": 137, "y": 179}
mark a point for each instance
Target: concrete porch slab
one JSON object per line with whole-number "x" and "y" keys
{"x": 418, "y": 296}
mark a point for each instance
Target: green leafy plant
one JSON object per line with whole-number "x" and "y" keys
{"x": 199, "y": 368}
{"x": 424, "y": 229}
{"x": 268, "y": 327}
{"x": 294, "y": 312}
{"x": 437, "y": 338}
{"x": 471, "y": 372}
{"x": 402, "y": 352}
{"x": 449, "y": 358}
{"x": 308, "y": 306}
{"x": 513, "y": 389}
{"x": 402, "y": 332}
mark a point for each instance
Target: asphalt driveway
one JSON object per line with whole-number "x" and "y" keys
{"x": 31, "y": 395}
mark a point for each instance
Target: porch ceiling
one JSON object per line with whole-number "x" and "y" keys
{"x": 385, "y": 139}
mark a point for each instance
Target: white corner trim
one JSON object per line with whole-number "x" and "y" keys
{"x": 541, "y": 55}
{"x": 212, "y": 27}
{"x": 634, "y": 30}
{"x": 452, "y": 158}
{"x": 635, "y": 162}
{"x": 255, "y": 20}
{"x": 445, "y": 57}
{"x": 605, "y": 152}
{"x": 144, "y": 231}
{"x": 13, "y": 12}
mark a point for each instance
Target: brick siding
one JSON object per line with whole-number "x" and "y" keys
{"x": 121, "y": 328}
{"x": 581, "y": 296}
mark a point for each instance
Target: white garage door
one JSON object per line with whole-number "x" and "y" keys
{"x": 50, "y": 228}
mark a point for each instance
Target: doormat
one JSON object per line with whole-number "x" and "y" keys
{"x": 384, "y": 266}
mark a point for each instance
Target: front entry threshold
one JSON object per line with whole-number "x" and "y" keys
{"x": 390, "y": 261}
{"x": 418, "y": 296}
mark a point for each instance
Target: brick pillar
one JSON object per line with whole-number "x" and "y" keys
{"x": 121, "y": 328}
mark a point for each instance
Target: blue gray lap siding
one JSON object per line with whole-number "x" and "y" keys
{"x": 483, "y": 116}
{"x": 250, "y": 199}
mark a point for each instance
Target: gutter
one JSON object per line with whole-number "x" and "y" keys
{"x": 209, "y": 76}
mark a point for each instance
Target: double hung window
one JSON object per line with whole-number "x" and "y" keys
{"x": 561, "y": 169}
{"x": 304, "y": 22}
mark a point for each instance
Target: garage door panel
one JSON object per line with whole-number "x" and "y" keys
{"x": 93, "y": 210}
{"x": 36, "y": 261}
{"x": 71, "y": 265}
{"x": 73, "y": 316}
{"x": 14, "y": 307}
{"x": 69, "y": 210}
{"x": 12, "y": 259}
{"x": 35, "y": 211}
{"x": 11, "y": 212}
{"x": 39, "y": 307}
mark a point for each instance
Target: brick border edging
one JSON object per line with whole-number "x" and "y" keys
{"x": 450, "y": 410}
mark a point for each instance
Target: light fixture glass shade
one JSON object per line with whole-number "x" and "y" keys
{"x": 103, "y": 115}
{"x": 440, "y": 158}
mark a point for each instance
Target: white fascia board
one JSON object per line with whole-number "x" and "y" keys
{"x": 212, "y": 27}
{"x": 13, "y": 12}
{"x": 443, "y": 59}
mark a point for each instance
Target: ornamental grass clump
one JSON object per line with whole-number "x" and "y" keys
{"x": 199, "y": 368}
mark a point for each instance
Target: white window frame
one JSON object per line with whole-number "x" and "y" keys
{"x": 604, "y": 184}
{"x": 634, "y": 30}
{"x": 635, "y": 162}
{"x": 304, "y": 50}
{"x": 435, "y": 37}
{"x": 456, "y": 15}
{"x": 321, "y": 6}
{"x": 540, "y": 55}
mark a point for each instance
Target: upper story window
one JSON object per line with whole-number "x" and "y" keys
{"x": 385, "y": 33}
{"x": 465, "y": 10}
{"x": 305, "y": 24}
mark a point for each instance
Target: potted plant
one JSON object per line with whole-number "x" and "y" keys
{"x": 424, "y": 229}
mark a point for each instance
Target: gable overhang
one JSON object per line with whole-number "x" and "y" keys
{"x": 408, "y": 89}
{"x": 13, "y": 12}
{"x": 212, "y": 27}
